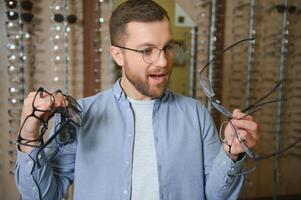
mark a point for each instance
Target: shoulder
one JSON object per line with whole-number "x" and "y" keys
{"x": 185, "y": 101}
{"x": 98, "y": 99}
{"x": 191, "y": 110}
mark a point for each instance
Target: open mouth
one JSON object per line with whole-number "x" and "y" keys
{"x": 157, "y": 76}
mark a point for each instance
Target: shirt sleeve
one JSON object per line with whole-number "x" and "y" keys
{"x": 39, "y": 177}
{"x": 219, "y": 168}
{"x": 224, "y": 181}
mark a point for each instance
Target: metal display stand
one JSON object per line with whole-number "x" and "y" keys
{"x": 284, "y": 31}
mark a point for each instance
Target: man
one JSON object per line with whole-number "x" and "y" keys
{"x": 138, "y": 139}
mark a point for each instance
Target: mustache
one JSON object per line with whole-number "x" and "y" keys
{"x": 158, "y": 71}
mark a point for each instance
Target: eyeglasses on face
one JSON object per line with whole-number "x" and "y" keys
{"x": 151, "y": 54}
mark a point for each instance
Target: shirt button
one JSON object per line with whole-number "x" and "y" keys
{"x": 125, "y": 191}
{"x": 127, "y": 162}
{"x": 34, "y": 188}
{"x": 29, "y": 162}
{"x": 39, "y": 156}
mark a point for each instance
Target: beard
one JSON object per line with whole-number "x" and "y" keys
{"x": 143, "y": 86}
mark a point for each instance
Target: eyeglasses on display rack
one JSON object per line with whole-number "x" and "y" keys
{"x": 281, "y": 8}
{"x": 59, "y": 18}
{"x": 12, "y": 13}
{"x": 12, "y": 4}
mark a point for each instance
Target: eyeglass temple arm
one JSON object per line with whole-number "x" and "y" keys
{"x": 139, "y": 51}
{"x": 262, "y": 157}
{"x": 258, "y": 107}
{"x": 262, "y": 98}
{"x": 229, "y": 47}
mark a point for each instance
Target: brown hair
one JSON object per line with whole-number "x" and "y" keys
{"x": 133, "y": 10}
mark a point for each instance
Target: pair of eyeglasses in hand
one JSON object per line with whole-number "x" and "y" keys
{"x": 252, "y": 108}
{"x": 64, "y": 131}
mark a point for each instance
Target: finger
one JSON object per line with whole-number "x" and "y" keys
{"x": 243, "y": 141}
{"x": 44, "y": 102}
{"x": 60, "y": 100}
{"x": 36, "y": 102}
{"x": 245, "y": 136}
{"x": 245, "y": 124}
{"x": 248, "y": 125}
{"x": 237, "y": 114}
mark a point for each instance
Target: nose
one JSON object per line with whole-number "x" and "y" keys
{"x": 162, "y": 60}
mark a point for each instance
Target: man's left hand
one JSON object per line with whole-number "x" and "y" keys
{"x": 247, "y": 131}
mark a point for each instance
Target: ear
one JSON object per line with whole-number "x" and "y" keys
{"x": 117, "y": 55}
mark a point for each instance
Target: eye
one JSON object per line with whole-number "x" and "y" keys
{"x": 148, "y": 51}
{"x": 168, "y": 47}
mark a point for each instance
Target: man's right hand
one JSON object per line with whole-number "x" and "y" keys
{"x": 43, "y": 101}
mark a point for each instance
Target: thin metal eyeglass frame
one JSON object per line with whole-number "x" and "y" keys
{"x": 143, "y": 50}
{"x": 256, "y": 106}
{"x": 216, "y": 103}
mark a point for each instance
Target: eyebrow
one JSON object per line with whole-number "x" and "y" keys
{"x": 152, "y": 45}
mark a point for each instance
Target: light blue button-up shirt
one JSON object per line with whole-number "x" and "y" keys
{"x": 191, "y": 163}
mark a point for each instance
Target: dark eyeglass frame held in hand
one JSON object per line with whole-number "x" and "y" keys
{"x": 70, "y": 112}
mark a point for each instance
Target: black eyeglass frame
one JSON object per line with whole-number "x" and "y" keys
{"x": 72, "y": 107}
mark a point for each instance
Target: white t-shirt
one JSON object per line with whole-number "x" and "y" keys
{"x": 145, "y": 184}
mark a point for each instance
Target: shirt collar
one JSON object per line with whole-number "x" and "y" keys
{"x": 118, "y": 91}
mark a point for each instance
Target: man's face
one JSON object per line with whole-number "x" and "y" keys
{"x": 141, "y": 80}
